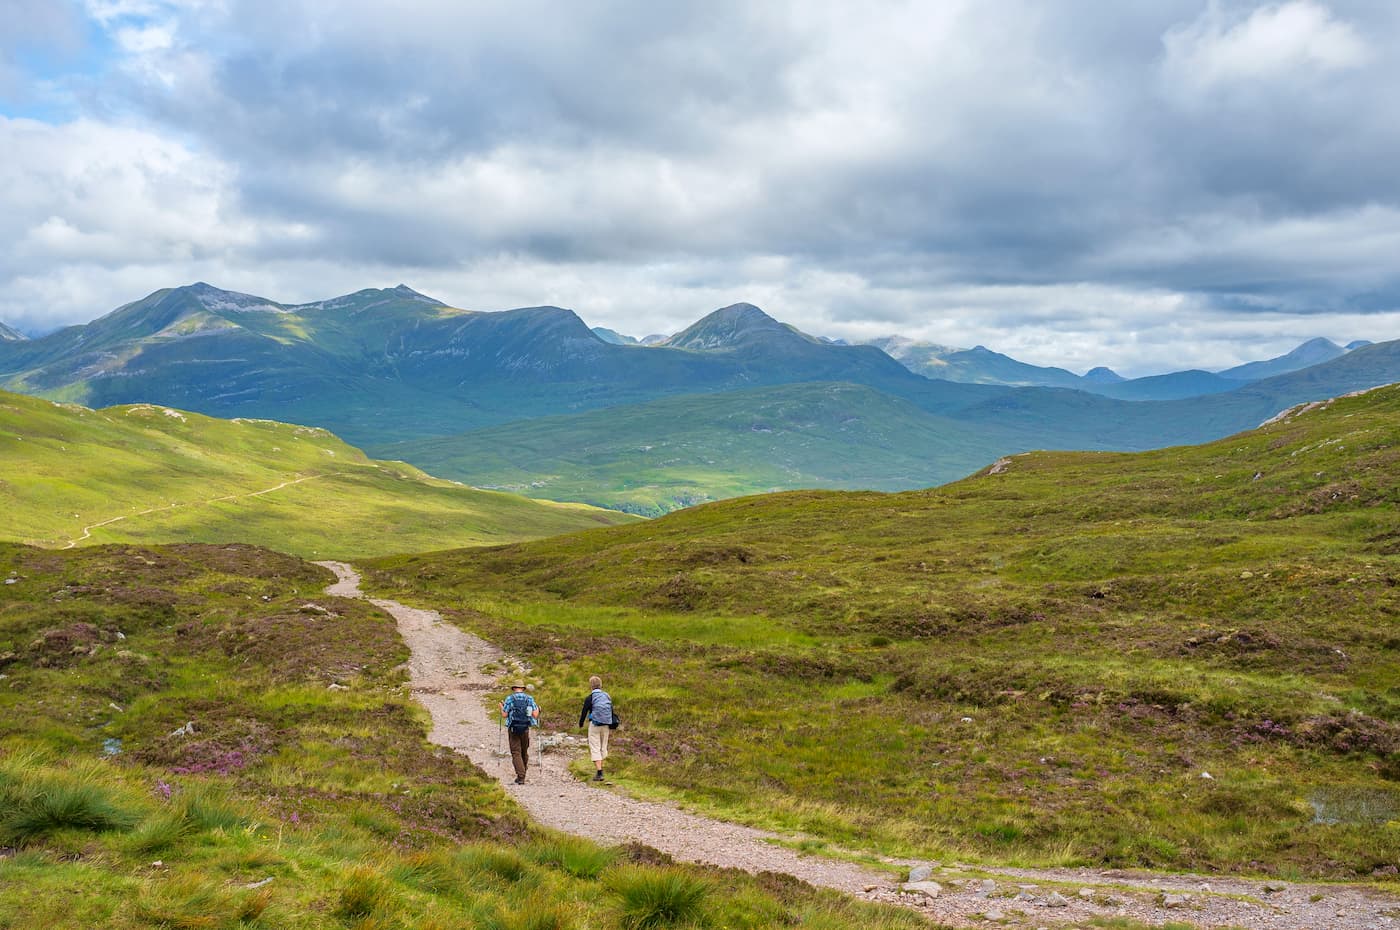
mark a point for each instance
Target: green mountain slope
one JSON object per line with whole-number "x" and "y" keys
{"x": 70, "y": 475}
{"x": 656, "y": 457}
{"x": 1039, "y": 661}
{"x": 382, "y": 365}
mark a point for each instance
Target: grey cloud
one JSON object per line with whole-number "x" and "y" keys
{"x": 1080, "y": 168}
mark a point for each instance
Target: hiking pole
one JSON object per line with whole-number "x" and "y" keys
{"x": 500, "y": 735}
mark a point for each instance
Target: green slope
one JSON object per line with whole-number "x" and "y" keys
{"x": 656, "y": 457}
{"x": 1036, "y": 663}
{"x": 153, "y": 474}
{"x": 304, "y": 796}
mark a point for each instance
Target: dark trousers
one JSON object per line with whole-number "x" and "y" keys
{"x": 520, "y": 751}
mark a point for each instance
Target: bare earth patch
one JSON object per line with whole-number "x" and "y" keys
{"x": 447, "y": 678}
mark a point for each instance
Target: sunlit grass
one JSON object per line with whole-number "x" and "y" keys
{"x": 1040, "y": 666}
{"x": 287, "y": 804}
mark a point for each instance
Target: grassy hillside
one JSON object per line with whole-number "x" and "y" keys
{"x": 656, "y": 457}
{"x": 1043, "y": 662}
{"x": 152, "y": 474}
{"x": 195, "y": 737}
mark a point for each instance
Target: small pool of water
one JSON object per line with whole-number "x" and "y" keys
{"x": 111, "y": 746}
{"x": 1345, "y": 804}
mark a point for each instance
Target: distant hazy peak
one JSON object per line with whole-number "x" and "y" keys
{"x": 898, "y": 346}
{"x": 1313, "y": 352}
{"x": 9, "y": 334}
{"x": 730, "y": 326}
{"x": 1103, "y": 375}
{"x": 1358, "y": 344}
{"x": 614, "y": 337}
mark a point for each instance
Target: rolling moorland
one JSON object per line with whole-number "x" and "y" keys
{"x": 154, "y": 474}
{"x": 1184, "y": 659}
{"x": 135, "y": 794}
{"x": 652, "y": 458}
{"x": 466, "y": 394}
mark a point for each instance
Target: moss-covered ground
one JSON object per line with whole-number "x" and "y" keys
{"x": 1185, "y": 659}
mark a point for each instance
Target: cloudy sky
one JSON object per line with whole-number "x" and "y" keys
{"x": 1144, "y": 185}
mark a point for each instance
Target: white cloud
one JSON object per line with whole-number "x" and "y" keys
{"x": 1076, "y": 183}
{"x": 1284, "y": 42}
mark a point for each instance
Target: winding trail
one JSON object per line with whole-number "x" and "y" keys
{"x": 446, "y": 676}
{"x": 87, "y": 530}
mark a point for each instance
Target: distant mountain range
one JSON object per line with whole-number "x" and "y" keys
{"x": 980, "y": 365}
{"x": 535, "y": 400}
{"x": 381, "y": 365}
{"x": 11, "y": 335}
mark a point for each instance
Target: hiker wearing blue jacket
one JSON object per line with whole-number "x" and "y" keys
{"x": 521, "y": 713}
{"x": 598, "y": 711}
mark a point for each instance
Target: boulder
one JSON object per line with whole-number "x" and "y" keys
{"x": 925, "y": 888}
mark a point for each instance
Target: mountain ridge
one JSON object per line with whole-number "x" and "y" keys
{"x": 346, "y": 362}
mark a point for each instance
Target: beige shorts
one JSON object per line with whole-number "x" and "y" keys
{"x": 597, "y": 741}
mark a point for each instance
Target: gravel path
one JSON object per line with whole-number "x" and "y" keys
{"x": 447, "y": 678}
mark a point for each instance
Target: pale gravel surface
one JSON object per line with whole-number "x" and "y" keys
{"x": 447, "y": 678}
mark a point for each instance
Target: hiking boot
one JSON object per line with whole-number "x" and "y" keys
{"x": 520, "y": 779}
{"x": 598, "y": 775}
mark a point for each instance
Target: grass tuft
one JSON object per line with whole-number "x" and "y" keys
{"x": 364, "y": 893}
{"x": 659, "y": 897}
{"x": 504, "y": 864}
{"x": 577, "y": 857}
{"x": 37, "y": 801}
{"x": 190, "y": 903}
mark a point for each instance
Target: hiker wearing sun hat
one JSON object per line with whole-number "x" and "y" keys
{"x": 520, "y": 713}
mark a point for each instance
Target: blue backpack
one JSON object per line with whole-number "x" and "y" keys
{"x": 602, "y": 712}
{"x": 518, "y": 718}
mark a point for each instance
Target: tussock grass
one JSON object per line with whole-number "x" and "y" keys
{"x": 494, "y": 863}
{"x": 37, "y": 800}
{"x": 434, "y": 872}
{"x": 159, "y": 832}
{"x": 364, "y": 892}
{"x": 195, "y": 903}
{"x": 572, "y": 855}
{"x": 651, "y": 897}
{"x": 531, "y": 912}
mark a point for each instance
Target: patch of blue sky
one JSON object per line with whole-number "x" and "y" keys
{"x": 51, "y": 82}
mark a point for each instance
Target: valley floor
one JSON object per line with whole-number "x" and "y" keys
{"x": 452, "y": 670}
